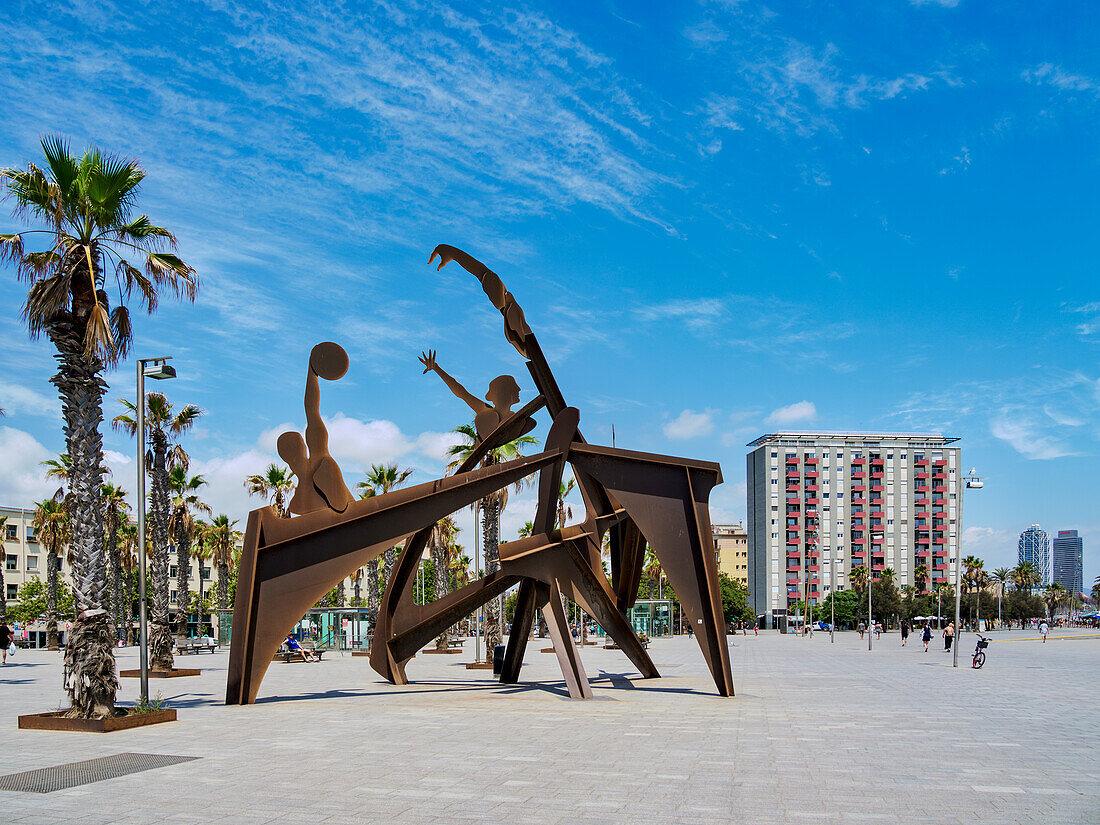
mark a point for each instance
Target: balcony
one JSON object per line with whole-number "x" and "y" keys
{"x": 922, "y": 502}
{"x": 877, "y": 567}
{"x": 859, "y": 460}
{"x": 811, "y": 501}
{"x": 813, "y": 568}
{"x": 810, "y": 460}
{"x": 859, "y": 474}
{"x": 859, "y": 528}
{"x": 793, "y": 528}
{"x": 811, "y": 514}
{"x": 859, "y": 554}
{"x": 876, "y": 502}
{"x": 921, "y": 476}
{"x": 924, "y": 554}
{"x": 815, "y": 582}
{"x": 857, "y": 540}
{"x": 876, "y": 488}
{"x": 812, "y": 474}
{"x": 859, "y": 502}
{"x": 859, "y": 488}
{"x": 794, "y": 502}
{"x": 940, "y": 541}
{"x": 811, "y": 488}
{"x": 939, "y": 462}
{"x": 923, "y": 488}
{"x": 792, "y": 459}
{"x": 793, "y": 568}
{"x": 877, "y": 475}
{"x": 922, "y": 462}
{"x": 939, "y": 476}
{"x": 792, "y": 488}
{"x": 792, "y": 540}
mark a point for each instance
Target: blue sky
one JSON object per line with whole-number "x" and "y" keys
{"x": 721, "y": 219}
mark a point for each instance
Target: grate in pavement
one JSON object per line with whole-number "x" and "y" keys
{"x": 59, "y": 777}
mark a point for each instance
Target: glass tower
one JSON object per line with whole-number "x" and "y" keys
{"x": 1068, "y": 548}
{"x": 1034, "y": 547}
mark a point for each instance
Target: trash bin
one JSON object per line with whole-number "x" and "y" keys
{"x": 498, "y": 659}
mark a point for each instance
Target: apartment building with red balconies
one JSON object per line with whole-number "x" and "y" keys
{"x": 820, "y": 504}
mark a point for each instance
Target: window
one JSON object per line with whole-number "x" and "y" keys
{"x": 206, "y": 573}
{"x": 13, "y": 591}
{"x": 774, "y": 454}
{"x": 31, "y": 535}
{"x": 172, "y": 596}
{"x": 13, "y": 532}
{"x": 12, "y": 563}
{"x": 173, "y": 571}
{"x": 32, "y": 563}
{"x": 774, "y": 480}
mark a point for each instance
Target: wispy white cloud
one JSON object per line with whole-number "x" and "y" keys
{"x": 689, "y": 424}
{"x": 696, "y": 313}
{"x": 15, "y": 398}
{"x": 800, "y": 411}
{"x": 947, "y": 4}
{"x": 1047, "y": 74}
{"x": 1026, "y": 437}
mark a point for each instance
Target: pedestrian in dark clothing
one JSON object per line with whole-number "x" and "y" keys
{"x": 926, "y": 635}
{"x": 6, "y": 637}
{"x": 904, "y": 632}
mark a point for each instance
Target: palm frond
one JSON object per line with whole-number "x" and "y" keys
{"x": 122, "y": 331}
{"x": 99, "y": 340}
{"x": 45, "y": 300}
{"x": 11, "y": 248}
{"x": 132, "y": 278}
{"x": 170, "y": 270}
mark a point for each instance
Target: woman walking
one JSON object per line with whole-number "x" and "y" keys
{"x": 904, "y": 631}
{"x": 926, "y": 635}
{"x": 948, "y": 635}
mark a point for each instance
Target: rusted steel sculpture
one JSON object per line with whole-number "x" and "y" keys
{"x": 633, "y": 498}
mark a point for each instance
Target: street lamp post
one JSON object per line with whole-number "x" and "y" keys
{"x": 971, "y": 482}
{"x": 159, "y": 369}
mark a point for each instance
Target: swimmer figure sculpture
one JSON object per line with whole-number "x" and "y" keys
{"x": 320, "y": 482}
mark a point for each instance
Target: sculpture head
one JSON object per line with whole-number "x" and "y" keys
{"x": 328, "y": 361}
{"x": 292, "y": 449}
{"x": 503, "y": 392}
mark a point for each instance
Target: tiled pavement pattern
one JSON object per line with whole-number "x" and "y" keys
{"x": 818, "y": 733}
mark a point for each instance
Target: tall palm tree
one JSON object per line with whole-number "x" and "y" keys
{"x": 858, "y": 577}
{"x": 440, "y": 544}
{"x": 1001, "y": 576}
{"x": 164, "y": 427}
{"x": 3, "y": 558}
{"x": 1025, "y": 576}
{"x": 183, "y": 528}
{"x": 972, "y": 565}
{"x": 127, "y": 551}
{"x": 920, "y": 576}
{"x": 54, "y": 530}
{"x": 380, "y": 479}
{"x": 115, "y": 514}
{"x": 85, "y": 205}
{"x": 222, "y": 540}
{"x": 490, "y": 507}
{"x": 1054, "y": 595}
{"x": 275, "y": 482}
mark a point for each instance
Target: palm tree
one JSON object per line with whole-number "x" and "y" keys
{"x": 379, "y": 480}
{"x": 183, "y": 528}
{"x": 1054, "y": 595}
{"x": 86, "y": 205}
{"x": 53, "y": 528}
{"x": 3, "y": 558}
{"x": 1025, "y": 576}
{"x": 490, "y": 507}
{"x": 1001, "y": 576}
{"x": 163, "y": 428}
{"x": 222, "y": 540}
{"x": 439, "y": 546}
{"x": 920, "y": 576}
{"x": 115, "y": 514}
{"x": 858, "y": 577}
{"x": 1096, "y": 589}
{"x": 127, "y": 551}
{"x": 276, "y": 482}
{"x": 972, "y": 565}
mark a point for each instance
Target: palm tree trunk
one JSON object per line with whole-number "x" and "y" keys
{"x": 89, "y": 654}
{"x": 442, "y": 569}
{"x": 490, "y": 538}
{"x": 160, "y": 632}
{"x": 114, "y": 570}
{"x": 340, "y": 594}
{"x": 183, "y": 577}
{"x": 389, "y": 561}
{"x": 51, "y": 599}
{"x": 223, "y": 586}
{"x": 372, "y": 593}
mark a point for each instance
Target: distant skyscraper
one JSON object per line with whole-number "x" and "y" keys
{"x": 1035, "y": 547}
{"x": 1068, "y": 548}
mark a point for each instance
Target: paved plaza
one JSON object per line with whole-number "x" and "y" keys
{"x": 818, "y": 733}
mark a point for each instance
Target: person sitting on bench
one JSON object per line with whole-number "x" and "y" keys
{"x": 294, "y": 647}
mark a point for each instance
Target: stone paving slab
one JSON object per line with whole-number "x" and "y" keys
{"x": 818, "y": 732}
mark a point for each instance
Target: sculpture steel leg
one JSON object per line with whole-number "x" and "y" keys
{"x": 576, "y": 680}
{"x": 522, "y": 620}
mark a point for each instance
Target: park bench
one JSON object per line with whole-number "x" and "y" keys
{"x": 195, "y": 645}
{"x": 287, "y": 655}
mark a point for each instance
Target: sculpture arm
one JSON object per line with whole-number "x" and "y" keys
{"x": 475, "y": 404}
{"x": 316, "y": 433}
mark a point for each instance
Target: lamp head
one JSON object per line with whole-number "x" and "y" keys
{"x": 159, "y": 371}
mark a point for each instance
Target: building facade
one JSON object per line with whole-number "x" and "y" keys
{"x": 1034, "y": 546}
{"x": 820, "y": 504}
{"x": 1068, "y": 561}
{"x": 731, "y": 551}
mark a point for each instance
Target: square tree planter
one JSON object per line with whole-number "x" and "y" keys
{"x": 56, "y": 720}
{"x": 161, "y": 674}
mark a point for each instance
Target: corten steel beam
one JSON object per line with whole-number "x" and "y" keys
{"x": 519, "y": 632}
{"x": 627, "y": 562}
{"x": 569, "y": 660}
{"x": 667, "y": 498}
{"x": 288, "y": 564}
{"x": 398, "y": 612}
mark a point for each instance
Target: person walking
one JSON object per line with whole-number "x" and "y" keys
{"x": 904, "y": 631}
{"x": 862, "y": 627}
{"x": 948, "y": 636}
{"x": 926, "y": 635}
{"x": 1044, "y": 629}
{"x": 6, "y": 638}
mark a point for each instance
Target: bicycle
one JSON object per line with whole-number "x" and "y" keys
{"x": 979, "y": 652}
